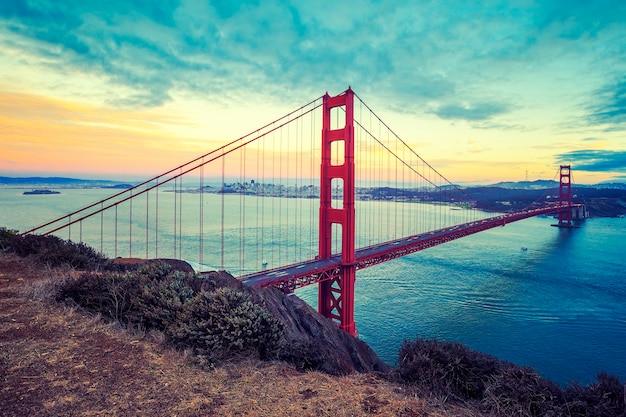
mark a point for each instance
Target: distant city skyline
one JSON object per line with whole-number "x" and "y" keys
{"x": 489, "y": 92}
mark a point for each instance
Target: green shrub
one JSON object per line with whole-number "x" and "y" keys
{"x": 214, "y": 320}
{"x": 113, "y": 295}
{"x": 226, "y": 322}
{"x": 305, "y": 356}
{"x": 520, "y": 391}
{"x": 165, "y": 301}
{"x": 126, "y": 296}
{"x": 446, "y": 368}
{"x": 503, "y": 389}
{"x": 54, "y": 251}
{"x": 6, "y": 236}
{"x": 604, "y": 398}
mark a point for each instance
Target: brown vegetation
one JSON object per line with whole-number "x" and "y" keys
{"x": 55, "y": 360}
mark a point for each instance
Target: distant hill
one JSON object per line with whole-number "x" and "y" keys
{"x": 548, "y": 184}
{"x": 527, "y": 185}
{"x": 60, "y": 182}
{"x": 611, "y": 185}
{"x": 602, "y": 200}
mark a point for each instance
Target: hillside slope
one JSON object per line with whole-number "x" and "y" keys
{"x": 58, "y": 361}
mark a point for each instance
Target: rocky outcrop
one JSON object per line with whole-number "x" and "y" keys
{"x": 315, "y": 342}
{"x": 311, "y": 341}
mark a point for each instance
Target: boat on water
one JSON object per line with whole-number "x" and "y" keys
{"x": 41, "y": 192}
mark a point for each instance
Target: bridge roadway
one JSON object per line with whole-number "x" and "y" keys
{"x": 291, "y": 277}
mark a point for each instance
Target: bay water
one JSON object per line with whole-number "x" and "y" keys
{"x": 549, "y": 298}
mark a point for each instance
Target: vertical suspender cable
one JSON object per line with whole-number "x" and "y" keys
{"x": 403, "y": 194}
{"x": 301, "y": 189}
{"x": 256, "y": 193}
{"x": 297, "y": 201}
{"x": 156, "y": 221}
{"x": 296, "y": 192}
{"x": 223, "y": 179}
{"x": 175, "y": 213}
{"x": 147, "y": 220}
{"x": 180, "y": 218}
{"x": 380, "y": 184}
{"x": 201, "y": 231}
{"x": 245, "y": 196}
{"x": 312, "y": 142}
{"x": 367, "y": 143}
{"x": 287, "y": 173}
{"x": 130, "y": 227}
{"x": 395, "y": 196}
{"x": 264, "y": 197}
{"x": 426, "y": 208}
{"x": 242, "y": 211}
{"x": 116, "y": 230}
{"x": 101, "y": 227}
{"x": 280, "y": 195}
{"x": 273, "y": 150}
{"x": 241, "y": 194}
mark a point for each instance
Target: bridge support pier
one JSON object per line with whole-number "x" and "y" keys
{"x": 336, "y": 296}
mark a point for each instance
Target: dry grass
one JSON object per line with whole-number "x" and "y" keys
{"x": 56, "y": 361}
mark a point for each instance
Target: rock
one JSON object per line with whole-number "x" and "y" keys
{"x": 311, "y": 341}
{"x": 315, "y": 342}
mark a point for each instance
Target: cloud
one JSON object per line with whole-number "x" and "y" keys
{"x": 595, "y": 160}
{"x": 610, "y": 105}
{"x": 471, "y": 112}
{"x": 413, "y": 55}
{"x": 576, "y": 19}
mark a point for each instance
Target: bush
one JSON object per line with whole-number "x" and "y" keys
{"x": 115, "y": 296}
{"x": 164, "y": 302}
{"x": 503, "y": 389}
{"x": 602, "y": 399}
{"x": 216, "y": 321}
{"x": 520, "y": 391}
{"x": 54, "y": 251}
{"x": 6, "y": 236}
{"x": 445, "y": 368}
{"x": 304, "y": 355}
{"x": 225, "y": 322}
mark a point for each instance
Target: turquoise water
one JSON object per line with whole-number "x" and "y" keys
{"x": 559, "y": 306}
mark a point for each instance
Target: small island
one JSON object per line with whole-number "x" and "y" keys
{"x": 42, "y": 192}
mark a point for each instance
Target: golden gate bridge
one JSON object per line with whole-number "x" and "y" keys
{"x": 310, "y": 198}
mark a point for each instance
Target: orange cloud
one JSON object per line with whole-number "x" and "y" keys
{"x": 50, "y": 135}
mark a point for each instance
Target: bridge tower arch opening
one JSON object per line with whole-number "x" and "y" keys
{"x": 336, "y": 295}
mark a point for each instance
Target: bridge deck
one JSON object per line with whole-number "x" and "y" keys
{"x": 305, "y": 273}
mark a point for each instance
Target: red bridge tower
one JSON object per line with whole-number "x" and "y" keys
{"x": 565, "y": 196}
{"x": 336, "y": 296}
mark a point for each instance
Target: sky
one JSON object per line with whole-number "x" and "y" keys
{"x": 484, "y": 91}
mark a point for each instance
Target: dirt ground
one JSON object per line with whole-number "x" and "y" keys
{"x": 57, "y": 361}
